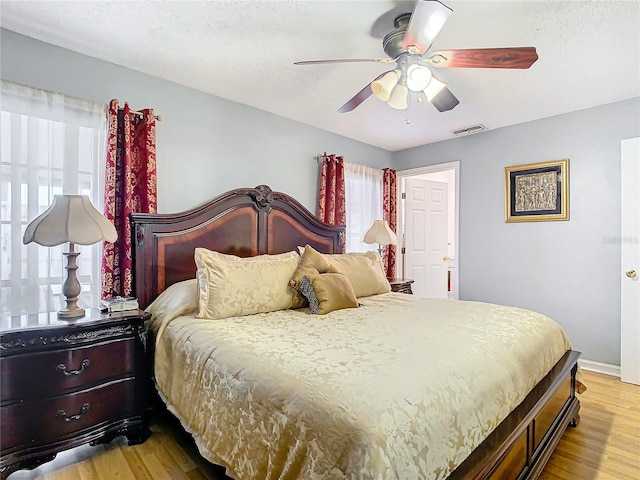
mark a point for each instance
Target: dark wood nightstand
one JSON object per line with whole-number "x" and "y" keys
{"x": 70, "y": 382}
{"x": 401, "y": 286}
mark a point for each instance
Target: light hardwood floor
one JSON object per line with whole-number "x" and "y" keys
{"x": 605, "y": 446}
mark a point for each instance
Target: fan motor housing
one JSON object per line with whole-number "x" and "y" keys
{"x": 392, "y": 42}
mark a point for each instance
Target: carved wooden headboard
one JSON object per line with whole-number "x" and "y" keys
{"x": 244, "y": 222}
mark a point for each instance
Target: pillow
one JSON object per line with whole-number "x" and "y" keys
{"x": 364, "y": 271}
{"x": 178, "y": 300}
{"x": 230, "y": 286}
{"x": 306, "y": 289}
{"x": 311, "y": 263}
{"x": 327, "y": 292}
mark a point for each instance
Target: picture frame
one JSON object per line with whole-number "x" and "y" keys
{"x": 537, "y": 192}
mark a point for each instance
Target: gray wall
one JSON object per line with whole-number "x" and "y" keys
{"x": 205, "y": 145}
{"x": 568, "y": 270}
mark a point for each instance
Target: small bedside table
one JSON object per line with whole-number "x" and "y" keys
{"x": 401, "y": 286}
{"x": 69, "y": 382}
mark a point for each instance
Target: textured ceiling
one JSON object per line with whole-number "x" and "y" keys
{"x": 244, "y": 51}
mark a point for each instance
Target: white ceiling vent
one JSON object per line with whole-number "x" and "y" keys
{"x": 469, "y": 130}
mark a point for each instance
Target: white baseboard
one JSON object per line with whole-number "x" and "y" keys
{"x": 598, "y": 367}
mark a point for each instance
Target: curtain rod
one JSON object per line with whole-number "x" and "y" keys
{"x": 135, "y": 112}
{"x": 320, "y": 156}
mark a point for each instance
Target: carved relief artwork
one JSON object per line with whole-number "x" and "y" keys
{"x": 537, "y": 192}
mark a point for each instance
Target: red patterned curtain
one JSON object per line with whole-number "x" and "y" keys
{"x": 331, "y": 191}
{"x": 390, "y": 213}
{"x": 130, "y": 186}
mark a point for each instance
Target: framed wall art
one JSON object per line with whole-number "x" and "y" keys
{"x": 537, "y": 192}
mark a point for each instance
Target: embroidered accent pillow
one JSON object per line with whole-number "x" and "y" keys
{"x": 312, "y": 262}
{"x": 309, "y": 293}
{"x": 328, "y": 292}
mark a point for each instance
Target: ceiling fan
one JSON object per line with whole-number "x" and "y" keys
{"x": 408, "y": 46}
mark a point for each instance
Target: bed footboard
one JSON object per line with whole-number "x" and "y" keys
{"x": 521, "y": 445}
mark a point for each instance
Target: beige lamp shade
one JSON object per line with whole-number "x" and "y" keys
{"x": 380, "y": 233}
{"x": 382, "y": 88}
{"x": 399, "y": 97}
{"x": 70, "y": 218}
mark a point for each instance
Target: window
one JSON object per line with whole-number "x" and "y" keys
{"x": 51, "y": 144}
{"x": 363, "y": 197}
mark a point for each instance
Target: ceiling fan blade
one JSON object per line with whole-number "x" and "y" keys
{"x": 427, "y": 19}
{"x": 514, "y": 57}
{"x": 445, "y": 100}
{"x": 344, "y": 60}
{"x": 359, "y": 97}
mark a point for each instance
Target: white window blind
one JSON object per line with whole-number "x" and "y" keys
{"x": 51, "y": 144}
{"x": 363, "y": 198}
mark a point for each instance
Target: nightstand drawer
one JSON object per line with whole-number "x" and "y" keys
{"x": 45, "y": 421}
{"x": 39, "y": 375}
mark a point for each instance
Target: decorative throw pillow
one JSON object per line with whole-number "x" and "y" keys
{"x": 312, "y": 262}
{"x": 328, "y": 292}
{"x": 306, "y": 289}
{"x": 230, "y": 286}
{"x": 364, "y": 271}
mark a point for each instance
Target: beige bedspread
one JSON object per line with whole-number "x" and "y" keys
{"x": 400, "y": 388}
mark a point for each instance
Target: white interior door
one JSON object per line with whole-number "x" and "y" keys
{"x": 630, "y": 264}
{"x": 426, "y": 219}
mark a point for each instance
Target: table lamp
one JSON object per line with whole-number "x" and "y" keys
{"x": 73, "y": 219}
{"x": 381, "y": 234}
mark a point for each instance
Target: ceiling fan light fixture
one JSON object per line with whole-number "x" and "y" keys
{"x": 433, "y": 89}
{"x": 407, "y": 45}
{"x": 418, "y": 77}
{"x": 399, "y": 97}
{"x": 383, "y": 87}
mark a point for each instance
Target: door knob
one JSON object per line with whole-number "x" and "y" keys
{"x": 445, "y": 258}
{"x": 631, "y": 273}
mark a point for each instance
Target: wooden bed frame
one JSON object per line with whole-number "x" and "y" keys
{"x": 253, "y": 221}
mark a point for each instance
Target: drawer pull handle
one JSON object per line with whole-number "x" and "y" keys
{"x": 72, "y": 418}
{"x": 67, "y": 373}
